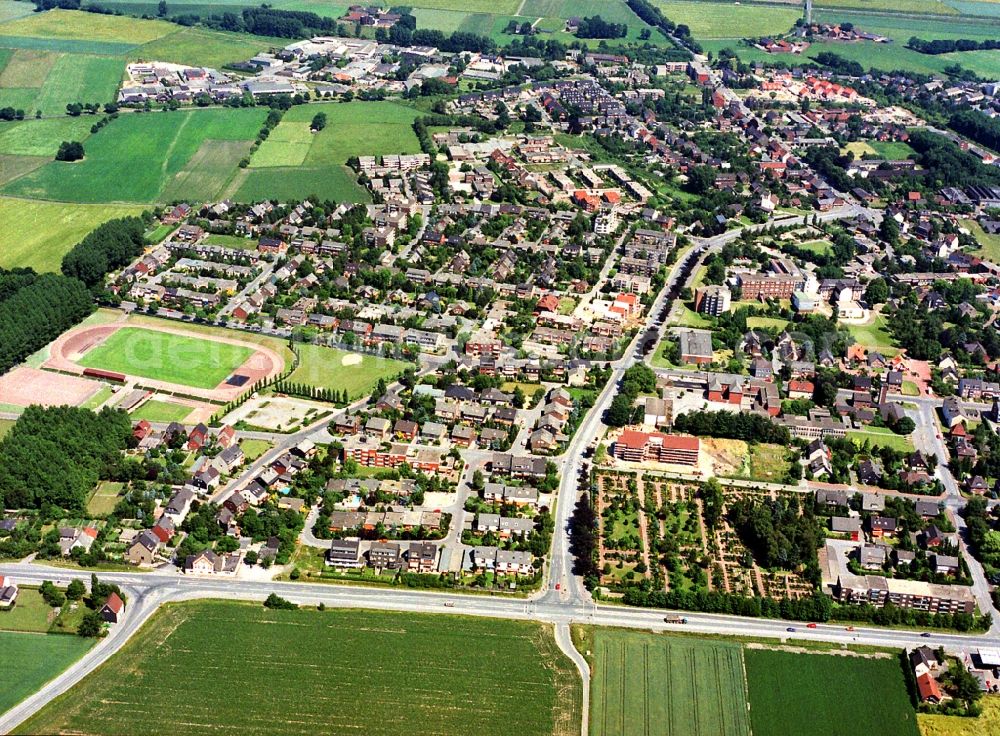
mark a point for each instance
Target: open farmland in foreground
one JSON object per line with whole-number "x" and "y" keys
{"x": 28, "y": 661}
{"x": 136, "y": 157}
{"x": 39, "y": 234}
{"x": 651, "y": 685}
{"x": 305, "y": 672}
{"x": 816, "y": 694}
{"x": 167, "y": 356}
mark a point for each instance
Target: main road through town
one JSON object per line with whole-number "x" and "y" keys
{"x": 562, "y": 601}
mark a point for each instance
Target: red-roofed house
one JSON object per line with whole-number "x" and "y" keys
{"x": 930, "y": 691}
{"x": 674, "y": 449}
{"x": 800, "y": 389}
{"x": 113, "y": 609}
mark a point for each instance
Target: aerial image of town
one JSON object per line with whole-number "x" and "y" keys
{"x": 500, "y": 367}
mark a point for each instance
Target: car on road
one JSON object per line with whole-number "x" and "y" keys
{"x": 810, "y": 626}
{"x": 926, "y": 635}
{"x": 790, "y": 628}
{"x": 849, "y": 628}
{"x": 449, "y": 604}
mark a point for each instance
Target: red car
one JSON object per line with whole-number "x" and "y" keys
{"x": 810, "y": 626}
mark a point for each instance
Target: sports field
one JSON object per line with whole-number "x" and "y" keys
{"x": 305, "y": 671}
{"x": 647, "y": 685}
{"x": 817, "y": 694}
{"x": 28, "y": 661}
{"x": 330, "y": 368}
{"x": 167, "y": 356}
{"x": 136, "y": 158}
{"x": 38, "y": 234}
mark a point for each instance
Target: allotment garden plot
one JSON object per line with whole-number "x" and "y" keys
{"x": 306, "y": 672}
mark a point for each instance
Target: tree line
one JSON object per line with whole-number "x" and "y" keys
{"x": 977, "y": 126}
{"x": 732, "y": 425}
{"x": 54, "y": 456}
{"x": 949, "y": 45}
{"x": 35, "y": 310}
{"x": 107, "y": 248}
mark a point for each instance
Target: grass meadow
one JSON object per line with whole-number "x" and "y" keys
{"x": 28, "y": 661}
{"x": 652, "y": 685}
{"x": 39, "y": 234}
{"x": 42, "y": 137}
{"x": 708, "y": 19}
{"x": 136, "y": 157}
{"x": 305, "y": 671}
{"x": 166, "y": 356}
{"x": 104, "y": 498}
{"x": 817, "y": 694}
{"x": 330, "y": 368}
{"x": 155, "y": 410}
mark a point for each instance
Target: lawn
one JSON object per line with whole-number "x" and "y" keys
{"x": 792, "y": 694}
{"x": 5, "y": 426}
{"x": 167, "y": 356}
{"x": 137, "y": 156}
{"x": 989, "y": 244}
{"x": 775, "y": 323}
{"x": 819, "y": 247}
{"x": 330, "y": 368}
{"x": 231, "y": 241}
{"x": 893, "y": 150}
{"x": 28, "y": 661}
{"x": 882, "y": 437}
{"x": 81, "y": 26}
{"x": 874, "y": 335}
{"x": 340, "y": 672}
{"x": 39, "y": 234}
{"x": 103, "y": 394}
{"x": 161, "y": 411}
{"x": 31, "y": 613}
{"x": 649, "y": 684}
{"x": 104, "y": 498}
{"x": 253, "y": 449}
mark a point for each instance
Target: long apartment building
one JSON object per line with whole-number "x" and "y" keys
{"x": 635, "y": 446}
{"x": 877, "y": 591}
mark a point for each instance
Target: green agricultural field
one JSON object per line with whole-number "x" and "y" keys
{"x": 342, "y": 671}
{"x": 80, "y": 26}
{"x": 207, "y": 173}
{"x": 80, "y": 78}
{"x": 104, "y": 498}
{"x": 649, "y": 684}
{"x": 42, "y": 137}
{"x": 336, "y": 369}
{"x": 812, "y": 694}
{"x": 356, "y": 129}
{"x": 203, "y": 47}
{"x": 895, "y": 6}
{"x": 10, "y": 9}
{"x": 287, "y": 145}
{"x": 161, "y": 411}
{"x": 27, "y": 68}
{"x": 470, "y": 6}
{"x": 134, "y": 158}
{"x": 338, "y": 183}
{"x": 729, "y": 20}
{"x": 28, "y": 661}
{"x": 12, "y": 167}
{"x": 166, "y": 356}
{"x": 39, "y": 234}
